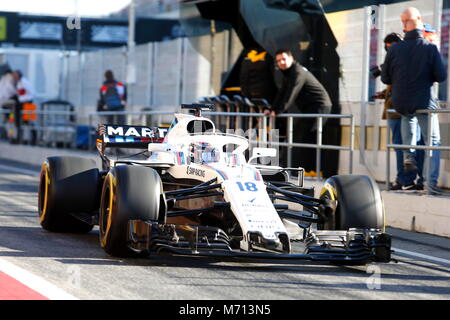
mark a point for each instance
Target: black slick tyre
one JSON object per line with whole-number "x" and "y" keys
{"x": 68, "y": 185}
{"x": 128, "y": 193}
{"x": 359, "y": 203}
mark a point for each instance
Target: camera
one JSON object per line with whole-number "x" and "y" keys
{"x": 375, "y": 71}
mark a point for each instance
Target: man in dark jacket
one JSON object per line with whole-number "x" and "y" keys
{"x": 412, "y": 66}
{"x": 405, "y": 180}
{"x": 301, "y": 92}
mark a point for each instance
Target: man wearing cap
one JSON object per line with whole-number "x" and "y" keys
{"x": 412, "y": 66}
{"x": 429, "y": 33}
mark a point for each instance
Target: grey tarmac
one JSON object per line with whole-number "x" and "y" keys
{"x": 79, "y": 266}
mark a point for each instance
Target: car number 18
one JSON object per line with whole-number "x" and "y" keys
{"x": 249, "y": 186}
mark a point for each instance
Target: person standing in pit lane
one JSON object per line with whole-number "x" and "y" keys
{"x": 25, "y": 96}
{"x": 112, "y": 98}
{"x": 412, "y": 66}
{"x": 405, "y": 180}
{"x": 300, "y": 92}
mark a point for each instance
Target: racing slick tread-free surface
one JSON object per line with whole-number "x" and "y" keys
{"x": 359, "y": 202}
{"x": 72, "y": 188}
{"x": 129, "y": 192}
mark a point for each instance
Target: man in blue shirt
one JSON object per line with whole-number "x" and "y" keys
{"x": 411, "y": 67}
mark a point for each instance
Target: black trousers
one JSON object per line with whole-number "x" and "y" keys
{"x": 117, "y": 119}
{"x": 305, "y": 132}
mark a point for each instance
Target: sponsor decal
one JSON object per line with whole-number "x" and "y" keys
{"x": 162, "y": 132}
{"x": 222, "y": 173}
{"x": 137, "y": 132}
{"x": 252, "y": 205}
{"x": 180, "y": 158}
{"x": 130, "y": 132}
{"x": 196, "y": 172}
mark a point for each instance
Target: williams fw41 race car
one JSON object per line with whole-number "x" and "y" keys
{"x": 191, "y": 191}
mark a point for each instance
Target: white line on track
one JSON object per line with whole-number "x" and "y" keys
{"x": 34, "y": 282}
{"x": 19, "y": 170}
{"x": 423, "y": 256}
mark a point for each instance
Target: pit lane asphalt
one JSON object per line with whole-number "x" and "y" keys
{"x": 78, "y": 265}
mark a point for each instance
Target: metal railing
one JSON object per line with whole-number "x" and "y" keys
{"x": 264, "y": 124}
{"x": 428, "y": 147}
{"x": 46, "y": 125}
{"x": 319, "y": 135}
{"x": 268, "y": 123}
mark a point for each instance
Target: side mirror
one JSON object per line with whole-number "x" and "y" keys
{"x": 262, "y": 152}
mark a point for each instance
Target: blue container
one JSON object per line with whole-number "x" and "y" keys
{"x": 82, "y": 140}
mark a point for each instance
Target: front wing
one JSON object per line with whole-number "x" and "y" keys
{"x": 353, "y": 246}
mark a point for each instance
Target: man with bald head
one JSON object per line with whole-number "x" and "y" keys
{"x": 411, "y": 67}
{"x": 411, "y": 19}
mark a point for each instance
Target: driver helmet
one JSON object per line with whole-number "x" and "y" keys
{"x": 201, "y": 152}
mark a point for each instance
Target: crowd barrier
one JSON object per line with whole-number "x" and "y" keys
{"x": 237, "y": 112}
{"x": 236, "y": 104}
{"x": 57, "y": 126}
{"x": 257, "y": 127}
{"x": 54, "y": 124}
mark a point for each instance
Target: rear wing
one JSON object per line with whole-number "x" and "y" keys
{"x": 120, "y": 136}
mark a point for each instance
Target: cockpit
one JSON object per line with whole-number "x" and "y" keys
{"x": 203, "y": 152}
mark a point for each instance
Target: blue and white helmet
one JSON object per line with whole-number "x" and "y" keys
{"x": 200, "y": 152}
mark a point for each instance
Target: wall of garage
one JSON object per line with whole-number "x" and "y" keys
{"x": 168, "y": 73}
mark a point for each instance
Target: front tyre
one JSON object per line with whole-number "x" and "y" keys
{"x": 129, "y": 193}
{"x": 359, "y": 203}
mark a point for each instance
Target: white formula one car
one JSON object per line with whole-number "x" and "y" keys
{"x": 191, "y": 191}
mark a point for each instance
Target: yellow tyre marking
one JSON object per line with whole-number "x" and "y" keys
{"x": 332, "y": 191}
{"x": 112, "y": 183}
{"x": 44, "y": 169}
{"x": 328, "y": 187}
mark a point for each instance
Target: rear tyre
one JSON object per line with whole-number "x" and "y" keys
{"x": 129, "y": 193}
{"x": 359, "y": 203}
{"x": 67, "y": 185}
